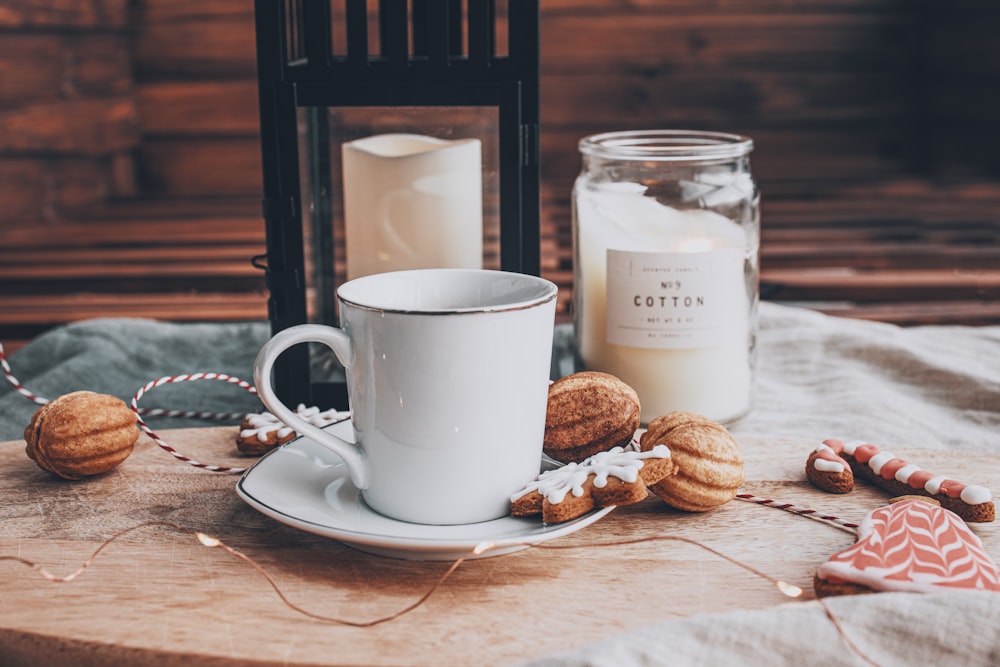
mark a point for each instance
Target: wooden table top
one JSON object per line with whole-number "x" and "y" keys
{"x": 157, "y": 596}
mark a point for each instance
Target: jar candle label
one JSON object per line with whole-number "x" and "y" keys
{"x": 674, "y": 300}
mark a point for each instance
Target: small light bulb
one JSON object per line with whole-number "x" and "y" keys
{"x": 483, "y": 547}
{"x": 790, "y": 590}
{"x": 208, "y": 540}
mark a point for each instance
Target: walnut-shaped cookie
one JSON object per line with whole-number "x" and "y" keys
{"x": 588, "y": 413}
{"x": 81, "y": 434}
{"x": 708, "y": 460}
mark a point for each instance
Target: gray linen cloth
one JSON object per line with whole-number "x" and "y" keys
{"x": 934, "y": 387}
{"x": 889, "y": 629}
{"x": 818, "y": 377}
{"x": 119, "y": 356}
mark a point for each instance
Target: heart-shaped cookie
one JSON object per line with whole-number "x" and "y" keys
{"x": 913, "y": 546}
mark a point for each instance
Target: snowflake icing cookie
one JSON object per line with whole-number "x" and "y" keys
{"x": 261, "y": 432}
{"x": 615, "y": 477}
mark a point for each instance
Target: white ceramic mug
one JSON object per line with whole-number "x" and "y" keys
{"x": 447, "y": 373}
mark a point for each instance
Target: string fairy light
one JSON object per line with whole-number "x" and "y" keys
{"x": 787, "y": 589}
{"x": 212, "y": 542}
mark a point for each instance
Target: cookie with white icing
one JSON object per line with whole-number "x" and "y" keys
{"x": 615, "y": 477}
{"x": 834, "y": 464}
{"x": 909, "y": 546}
{"x": 262, "y": 432}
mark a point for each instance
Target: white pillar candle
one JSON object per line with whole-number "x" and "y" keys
{"x": 412, "y": 202}
{"x": 663, "y": 301}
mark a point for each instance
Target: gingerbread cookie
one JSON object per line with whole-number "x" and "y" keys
{"x": 588, "y": 413}
{"x": 834, "y": 464}
{"x": 262, "y": 432}
{"x": 912, "y": 546}
{"x": 616, "y": 477}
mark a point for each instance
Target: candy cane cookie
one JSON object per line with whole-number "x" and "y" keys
{"x": 833, "y": 465}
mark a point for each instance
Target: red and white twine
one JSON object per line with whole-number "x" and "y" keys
{"x": 192, "y": 377}
{"x": 801, "y": 511}
{"x": 21, "y": 389}
{"x": 156, "y": 412}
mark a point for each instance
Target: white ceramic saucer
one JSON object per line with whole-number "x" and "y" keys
{"x": 306, "y": 486}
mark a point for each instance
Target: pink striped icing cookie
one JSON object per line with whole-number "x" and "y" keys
{"x": 910, "y": 546}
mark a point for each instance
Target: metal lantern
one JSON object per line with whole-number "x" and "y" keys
{"x": 342, "y": 86}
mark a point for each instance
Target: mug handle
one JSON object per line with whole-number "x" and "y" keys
{"x": 341, "y": 344}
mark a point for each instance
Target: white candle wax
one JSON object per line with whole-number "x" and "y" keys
{"x": 677, "y": 325}
{"x": 412, "y": 202}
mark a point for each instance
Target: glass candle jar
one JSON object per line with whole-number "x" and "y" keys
{"x": 666, "y": 236}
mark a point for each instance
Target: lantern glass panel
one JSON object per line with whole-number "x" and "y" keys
{"x": 391, "y": 188}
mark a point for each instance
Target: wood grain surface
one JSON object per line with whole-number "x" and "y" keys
{"x": 158, "y": 597}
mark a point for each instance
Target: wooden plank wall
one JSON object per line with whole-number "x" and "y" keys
{"x": 68, "y": 116}
{"x": 99, "y": 143}
{"x": 832, "y": 90}
{"x": 826, "y": 80}
{"x": 129, "y": 154}
{"x": 196, "y": 90}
